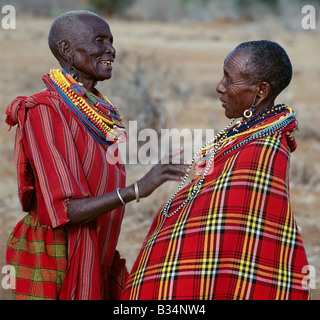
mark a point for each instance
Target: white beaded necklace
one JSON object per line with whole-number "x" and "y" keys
{"x": 209, "y": 158}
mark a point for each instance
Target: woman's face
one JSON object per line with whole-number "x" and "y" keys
{"x": 93, "y": 52}
{"x": 236, "y": 94}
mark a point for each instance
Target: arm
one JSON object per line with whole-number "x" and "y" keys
{"x": 88, "y": 209}
{"x": 67, "y": 197}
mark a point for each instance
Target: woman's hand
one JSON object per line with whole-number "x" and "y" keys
{"x": 85, "y": 210}
{"x": 161, "y": 173}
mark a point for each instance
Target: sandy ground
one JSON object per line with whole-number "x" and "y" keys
{"x": 197, "y": 53}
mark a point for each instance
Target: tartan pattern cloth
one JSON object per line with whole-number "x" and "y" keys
{"x": 57, "y": 160}
{"x": 237, "y": 239}
{"x": 38, "y": 253}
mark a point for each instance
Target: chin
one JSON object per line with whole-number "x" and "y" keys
{"x": 105, "y": 77}
{"x": 108, "y": 76}
{"x": 226, "y": 113}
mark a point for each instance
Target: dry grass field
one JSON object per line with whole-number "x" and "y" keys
{"x": 191, "y": 55}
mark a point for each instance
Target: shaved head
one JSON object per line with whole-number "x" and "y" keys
{"x": 82, "y": 42}
{"x": 67, "y": 27}
{"x": 267, "y": 61}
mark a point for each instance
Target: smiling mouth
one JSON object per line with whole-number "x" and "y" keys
{"x": 106, "y": 62}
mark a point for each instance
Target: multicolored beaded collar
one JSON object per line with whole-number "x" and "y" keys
{"x": 99, "y": 116}
{"x": 256, "y": 127}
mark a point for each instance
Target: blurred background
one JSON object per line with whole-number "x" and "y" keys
{"x": 170, "y": 57}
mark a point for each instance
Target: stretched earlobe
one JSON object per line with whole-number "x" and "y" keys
{"x": 73, "y": 72}
{"x": 66, "y": 55}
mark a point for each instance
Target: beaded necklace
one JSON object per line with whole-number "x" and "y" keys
{"x": 196, "y": 189}
{"x": 256, "y": 123}
{"x": 253, "y": 126}
{"x": 100, "y": 117}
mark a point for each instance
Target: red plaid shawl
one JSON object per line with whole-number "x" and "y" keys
{"x": 237, "y": 240}
{"x": 57, "y": 160}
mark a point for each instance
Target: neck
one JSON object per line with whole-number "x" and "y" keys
{"x": 89, "y": 84}
{"x": 259, "y": 107}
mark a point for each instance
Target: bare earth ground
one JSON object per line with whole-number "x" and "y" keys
{"x": 197, "y": 52}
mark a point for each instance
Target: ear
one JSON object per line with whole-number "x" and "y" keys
{"x": 264, "y": 90}
{"x": 66, "y": 52}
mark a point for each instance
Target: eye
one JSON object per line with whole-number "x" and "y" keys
{"x": 226, "y": 77}
{"x": 99, "y": 40}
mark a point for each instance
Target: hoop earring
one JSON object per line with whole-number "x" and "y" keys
{"x": 248, "y": 113}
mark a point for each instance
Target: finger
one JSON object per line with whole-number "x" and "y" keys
{"x": 172, "y": 177}
{"x": 167, "y": 158}
{"x": 176, "y": 152}
{"x": 173, "y": 168}
{"x": 183, "y": 163}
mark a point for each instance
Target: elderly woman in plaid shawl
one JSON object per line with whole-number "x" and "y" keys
{"x": 230, "y": 233}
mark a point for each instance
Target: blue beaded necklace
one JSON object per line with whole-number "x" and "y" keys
{"x": 272, "y": 129}
{"x": 257, "y": 119}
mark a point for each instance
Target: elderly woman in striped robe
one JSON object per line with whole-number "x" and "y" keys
{"x": 73, "y": 191}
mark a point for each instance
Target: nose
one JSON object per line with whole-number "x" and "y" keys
{"x": 110, "y": 49}
{"x": 220, "y": 87}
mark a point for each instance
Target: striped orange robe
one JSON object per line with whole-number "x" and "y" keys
{"x": 58, "y": 160}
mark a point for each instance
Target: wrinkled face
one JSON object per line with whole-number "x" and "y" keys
{"x": 93, "y": 51}
{"x": 236, "y": 94}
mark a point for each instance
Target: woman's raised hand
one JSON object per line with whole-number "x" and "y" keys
{"x": 166, "y": 170}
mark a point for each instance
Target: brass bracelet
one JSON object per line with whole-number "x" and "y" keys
{"x": 136, "y": 190}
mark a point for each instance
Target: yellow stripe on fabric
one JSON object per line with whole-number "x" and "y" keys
{"x": 141, "y": 269}
{"x": 213, "y": 218}
{"x": 283, "y": 274}
{"x": 253, "y": 223}
{"x": 207, "y": 263}
{"x": 171, "y": 256}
